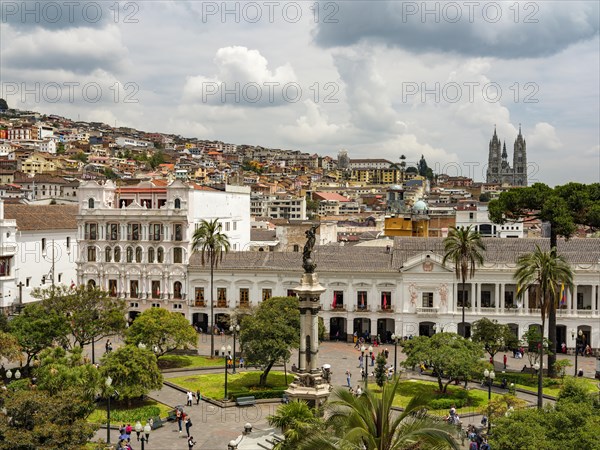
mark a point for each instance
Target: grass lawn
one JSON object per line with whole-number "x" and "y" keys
{"x": 465, "y": 401}
{"x": 119, "y": 412}
{"x": 188, "y": 361}
{"x": 242, "y": 383}
{"x": 529, "y": 383}
{"x": 554, "y": 390}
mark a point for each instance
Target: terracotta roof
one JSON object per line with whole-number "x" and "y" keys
{"x": 43, "y": 217}
{"x": 330, "y": 196}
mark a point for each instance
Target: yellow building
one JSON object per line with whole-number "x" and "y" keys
{"x": 410, "y": 224}
{"x": 39, "y": 163}
{"x": 377, "y": 176}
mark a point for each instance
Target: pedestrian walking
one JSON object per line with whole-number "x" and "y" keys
{"x": 348, "y": 378}
{"x": 372, "y": 358}
{"x": 198, "y": 397}
{"x": 191, "y": 443}
{"x": 360, "y": 361}
{"x": 179, "y": 417}
{"x": 505, "y": 360}
{"x": 190, "y": 398}
{"x": 188, "y": 425}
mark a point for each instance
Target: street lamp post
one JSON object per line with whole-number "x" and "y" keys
{"x": 395, "y": 338}
{"x": 235, "y": 330}
{"x": 577, "y": 336}
{"x": 490, "y": 375}
{"x": 108, "y": 383}
{"x": 225, "y": 353}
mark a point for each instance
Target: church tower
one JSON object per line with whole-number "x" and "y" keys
{"x": 520, "y": 160}
{"x": 494, "y": 161}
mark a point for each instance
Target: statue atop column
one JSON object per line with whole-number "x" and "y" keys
{"x": 307, "y": 262}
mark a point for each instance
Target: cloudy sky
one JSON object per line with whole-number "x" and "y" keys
{"x": 378, "y": 78}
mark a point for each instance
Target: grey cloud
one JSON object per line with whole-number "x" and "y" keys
{"x": 522, "y": 30}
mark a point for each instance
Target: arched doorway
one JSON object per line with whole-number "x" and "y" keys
{"x": 514, "y": 329}
{"x": 561, "y": 337}
{"x": 200, "y": 321}
{"x": 426, "y": 329}
{"x": 362, "y": 327}
{"x": 337, "y": 329}
{"x": 385, "y": 329}
{"x": 222, "y": 322}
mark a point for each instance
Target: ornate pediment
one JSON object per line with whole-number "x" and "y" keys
{"x": 425, "y": 263}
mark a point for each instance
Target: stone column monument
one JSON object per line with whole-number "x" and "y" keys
{"x": 309, "y": 384}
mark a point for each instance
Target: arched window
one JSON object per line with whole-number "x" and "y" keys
{"x": 90, "y": 203}
{"x": 177, "y": 289}
{"x": 160, "y": 255}
{"x": 91, "y": 284}
{"x": 177, "y": 203}
{"x": 117, "y": 253}
{"x": 151, "y": 255}
{"x": 138, "y": 254}
{"x": 129, "y": 254}
{"x": 107, "y": 254}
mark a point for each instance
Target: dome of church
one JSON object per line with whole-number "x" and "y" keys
{"x": 420, "y": 206}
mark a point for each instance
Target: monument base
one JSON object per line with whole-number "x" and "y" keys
{"x": 309, "y": 387}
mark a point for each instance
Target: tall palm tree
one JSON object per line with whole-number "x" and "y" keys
{"x": 367, "y": 422}
{"x": 464, "y": 247}
{"x": 544, "y": 273}
{"x": 212, "y": 244}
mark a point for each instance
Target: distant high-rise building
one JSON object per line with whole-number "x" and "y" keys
{"x": 343, "y": 160}
{"x": 499, "y": 169}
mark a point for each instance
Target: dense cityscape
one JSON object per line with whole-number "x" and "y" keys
{"x": 293, "y": 226}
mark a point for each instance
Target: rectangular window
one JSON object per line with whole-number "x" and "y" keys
{"x": 461, "y": 295}
{"x": 155, "y": 232}
{"x": 27, "y": 281}
{"x": 156, "y": 305}
{"x": 580, "y": 300}
{"x": 178, "y": 232}
{"x": 68, "y": 242}
{"x": 199, "y": 296}
{"x": 386, "y": 300}
{"x": 155, "y": 289}
{"x": 4, "y": 267}
{"x": 221, "y": 297}
{"x": 112, "y": 288}
{"x": 509, "y": 299}
{"x": 338, "y": 299}
{"x": 112, "y": 231}
{"x": 177, "y": 255}
{"x": 91, "y": 231}
{"x": 291, "y": 293}
{"x": 234, "y": 226}
{"x": 226, "y": 226}
{"x": 91, "y": 253}
{"x": 427, "y": 299}
{"x": 133, "y": 232}
{"x": 133, "y": 288}
{"x": 486, "y": 299}
{"x": 267, "y": 294}
{"x": 134, "y": 305}
{"x": 244, "y": 297}
{"x": 60, "y": 277}
{"x": 361, "y": 299}
{"x": 43, "y": 244}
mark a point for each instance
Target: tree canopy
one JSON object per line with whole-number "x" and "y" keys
{"x": 88, "y": 314}
{"x": 270, "y": 332}
{"x": 447, "y": 354}
{"x": 3, "y": 105}
{"x": 161, "y": 330}
{"x": 134, "y": 371}
{"x": 493, "y": 336}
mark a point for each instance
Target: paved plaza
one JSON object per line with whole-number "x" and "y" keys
{"x": 214, "y": 427}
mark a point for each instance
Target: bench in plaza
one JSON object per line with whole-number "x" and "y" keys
{"x": 246, "y": 401}
{"x": 156, "y": 422}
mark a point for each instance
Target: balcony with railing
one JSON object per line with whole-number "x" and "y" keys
{"x": 362, "y": 308}
{"x": 338, "y": 307}
{"x": 386, "y": 309}
{"x": 427, "y": 310}
{"x": 222, "y": 303}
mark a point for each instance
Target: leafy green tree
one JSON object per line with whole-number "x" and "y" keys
{"x": 110, "y": 173}
{"x": 493, "y": 336}
{"x": 380, "y": 370}
{"x": 9, "y": 347}
{"x": 83, "y": 157}
{"x": 533, "y": 338}
{"x": 3, "y": 105}
{"x": 412, "y": 169}
{"x": 270, "y": 332}
{"x": 368, "y": 422}
{"x": 88, "y": 314}
{"x": 499, "y": 406}
{"x": 161, "y": 330}
{"x": 463, "y": 247}
{"x": 543, "y": 273}
{"x": 563, "y": 207}
{"x": 134, "y": 371}
{"x": 60, "y": 148}
{"x": 36, "y": 328}
{"x": 296, "y": 420}
{"x": 157, "y": 158}
{"x": 212, "y": 243}
{"x": 3, "y": 322}
{"x": 485, "y": 197}
{"x": 448, "y": 354}
{"x": 36, "y": 419}
{"x": 560, "y": 367}
{"x": 59, "y": 370}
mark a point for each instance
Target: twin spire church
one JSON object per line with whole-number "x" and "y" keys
{"x": 499, "y": 169}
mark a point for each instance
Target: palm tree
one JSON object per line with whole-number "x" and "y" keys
{"x": 464, "y": 248}
{"x": 544, "y": 273}
{"x": 296, "y": 420}
{"x": 367, "y": 422}
{"x": 211, "y": 243}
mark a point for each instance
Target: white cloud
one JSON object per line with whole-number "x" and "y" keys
{"x": 543, "y": 137}
{"x": 311, "y": 128}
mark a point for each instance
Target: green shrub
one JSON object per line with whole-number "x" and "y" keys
{"x": 132, "y": 415}
{"x": 446, "y": 403}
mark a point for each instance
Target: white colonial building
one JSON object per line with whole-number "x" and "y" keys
{"x": 404, "y": 290}
{"x": 477, "y": 216}
{"x": 135, "y": 241}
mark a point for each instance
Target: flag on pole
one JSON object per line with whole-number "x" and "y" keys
{"x": 362, "y": 300}
{"x": 384, "y": 301}
{"x": 72, "y": 284}
{"x": 563, "y": 295}
{"x": 334, "y": 304}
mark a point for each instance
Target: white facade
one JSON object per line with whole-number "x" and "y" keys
{"x": 278, "y": 206}
{"x": 123, "y": 142}
{"x": 8, "y": 251}
{"x": 478, "y": 218}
